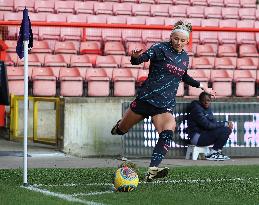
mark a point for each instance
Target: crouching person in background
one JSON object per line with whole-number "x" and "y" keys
{"x": 204, "y": 130}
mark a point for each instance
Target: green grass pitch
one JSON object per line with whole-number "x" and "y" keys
{"x": 184, "y": 185}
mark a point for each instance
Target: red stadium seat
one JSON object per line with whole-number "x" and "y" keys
{"x": 226, "y": 63}
{"x": 112, "y": 34}
{"x": 247, "y": 63}
{"x": 124, "y": 82}
{"x": 116, "y": 20}
{"x": 248, "y": 3}
{"x": 172, "y": 21}
{"x": 166, "y": 35}
{"x": 216, "y": 3}
{"x": 195, "y": 34}
{"x": 141, "y": 10}
{"x": 226, "y": 50}
{"x": 181, "y": 2}
{"x": 11, "y": 46}
{"x": 209, "y": 36}
{"x": 232, "y": 3}
{"x": 133, "y": 46}
{"x": 50, "y": 33}
{"x": 164, "y": 2}
{"x": 6, "y": 5}
{"x": 191, "y": 50}
{"x": 257, "y": 34}
{"x": 131, "y": 1}
{"x": 151, "y": 35}
{"x": 114, "y": 48}
{"x": 125, "y": 63}
{"x": 160, "y": 10}
{"x": 227, "y": 37}
{"x": 11, "y": 16}
{"x": 178, "y": 11}
{"x": 95, "y": 34}
{"x": 73, "y": 33}
{"x": 195, "y": 12}
{"x": 248, "y": 51}
{"x": 131, "y": 35}
{"x": 79, "y": 18}
{"x": 200, "y": 75}
{"x": 71, "y": 82}
{"x": 11, "y": 59}
{"x": 222, "y": 82}
{"x": 64, "y": 6}
{"x": 56, "y": 18}
{"x": 199, "y": 2}
{"x": 159, "y": 21}
{"x": 180, "y": 90}
{"x": 86, "y": 7}
{"x": 245, "y": 37}
{"x": 136, "y": 20}
{"x": 90, "y": 47}
{"x": 106, "y": 62}
{"x": 38, "y": 17}
{"x": 20, "y": 4}
{"x": 12, "y": 30}
{"x": 142, "y": 76}
{"x": 247, "y": 13}
{"x": 230, "y": 13}
{"x": 44, "y": 82}
{"x": 203, "y": 63}
{"x": 80, "y": 61}
{"x": 245, "y": 82}
{"x": 122, "y": 9}
{"x": 257, "y": 13}
{"x": 44, "y": 6}
{"x": 65, "y": 47}
{"x": 33, "y": 60}
{"x": 146, "y": 1}
{"x": 15, "y": 77}
{"x": 213, "y": 12}
{"x": 103, "y": 8}
{"x": 55, "y": 60}
{"x": 206, "y": 50}
{"x": 98, "y": 83}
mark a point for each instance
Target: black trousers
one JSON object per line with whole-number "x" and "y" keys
{"x": 217, "y": 137}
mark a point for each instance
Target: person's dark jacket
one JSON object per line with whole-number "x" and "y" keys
{"x": 201, "y": 119}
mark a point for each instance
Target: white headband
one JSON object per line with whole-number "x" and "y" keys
{"x": 182, "y": 31}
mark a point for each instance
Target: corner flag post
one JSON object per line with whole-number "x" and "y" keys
{"x": 25, "y": 35}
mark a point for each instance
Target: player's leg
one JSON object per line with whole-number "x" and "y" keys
{"x": 134, "y": 114}
{"x": 165, "y": 126}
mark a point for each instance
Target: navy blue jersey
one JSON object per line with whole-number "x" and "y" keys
{"x": 166, "y": 70}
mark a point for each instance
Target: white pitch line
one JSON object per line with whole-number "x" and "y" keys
{"x": 179, "y": 181}
{"x": 92, "y": 193}
{"x": 71, "y": 185}
{"x": 62, "y": 196}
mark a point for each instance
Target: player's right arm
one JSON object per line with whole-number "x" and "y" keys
{"x": 137, "y": 57}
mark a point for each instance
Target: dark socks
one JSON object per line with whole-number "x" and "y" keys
{"x": 161, "y": 147}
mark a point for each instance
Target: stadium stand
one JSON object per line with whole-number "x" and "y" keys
{"x": 219, "y": 59}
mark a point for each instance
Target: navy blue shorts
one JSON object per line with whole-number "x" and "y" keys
{"x": 146, "y": 109}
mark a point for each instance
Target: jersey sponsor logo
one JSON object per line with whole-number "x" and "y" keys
{"x": 175, "y": 70}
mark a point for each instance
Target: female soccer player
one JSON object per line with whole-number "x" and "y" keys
{"x": 156, "y": 97}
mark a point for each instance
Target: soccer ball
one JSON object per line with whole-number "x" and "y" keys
{"x": 125, "y": 179}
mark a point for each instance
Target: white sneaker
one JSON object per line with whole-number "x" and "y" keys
{"x": 217, "y": 156}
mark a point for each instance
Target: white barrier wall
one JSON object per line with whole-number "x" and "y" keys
{"x": 87, "y": 126}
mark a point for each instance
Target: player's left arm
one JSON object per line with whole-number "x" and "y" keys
{"x": 194, "y": 83}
